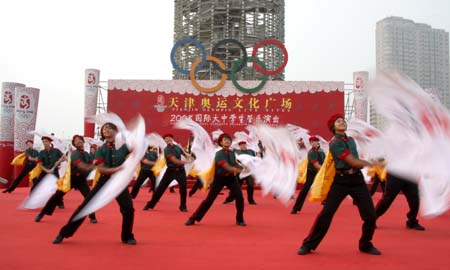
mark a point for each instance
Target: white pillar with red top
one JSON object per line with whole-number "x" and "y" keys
{"x": 7, "y": 104}
{"x": 91, "y": 83}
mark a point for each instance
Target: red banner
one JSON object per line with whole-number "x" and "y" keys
{"x": 232, "y": 113}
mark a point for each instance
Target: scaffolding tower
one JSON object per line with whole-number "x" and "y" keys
{"x": 210, "y": 21}
{"x": 349, "y": 101}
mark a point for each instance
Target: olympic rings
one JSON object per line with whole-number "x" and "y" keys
{"x": 244, "y": 53}
{"x": 274, "y": 42}
{"x": 236, "y": 67}
{"x": 198, "y": 86}
{"x": 187, "y": 41}
{"x": 238, "y": 86}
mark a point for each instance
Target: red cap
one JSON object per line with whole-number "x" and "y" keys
{"x": 29, "y": 141}
{"x": 332, "y": 119}
{"x": 76, "y": 136}
{"x": 168, "y": 135}
{"x": 46, "y": 138}
{"x": 313, "y": 139}
{"x": 223, "y": 135}
{"x": 242, "y": 142}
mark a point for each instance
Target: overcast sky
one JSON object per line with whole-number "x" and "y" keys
{"x": 48, "y": 44}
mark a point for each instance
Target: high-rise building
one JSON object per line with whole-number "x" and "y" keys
{"x": 417, "y": 50}
{"x": 211, "y": 21}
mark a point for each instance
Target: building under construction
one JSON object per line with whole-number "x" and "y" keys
{"x": 211, "y": 21}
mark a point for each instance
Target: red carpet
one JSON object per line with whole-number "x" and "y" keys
{"x": 270, "y": 240}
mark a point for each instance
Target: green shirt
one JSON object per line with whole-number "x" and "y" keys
{"x": 151, "y": 156}
{"x": 49, "y": 158}
{"x": 109, "y": 156}
{"x": 222, "y": 157}
{"x": 172, "y": 150}
{"x": 249, "y": 152}
{"x": 315, "y": 155}
{"x": 31, "y": 153}
{"x": 340, "y": 147}
{"x": 77, "y": 157}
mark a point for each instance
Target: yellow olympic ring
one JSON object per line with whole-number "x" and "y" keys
{"x": 204, "y": 89}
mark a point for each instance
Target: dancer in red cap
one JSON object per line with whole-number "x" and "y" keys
{"x": 147, "y": 163}
{"x": 31, "y": 156}
{"x": 316, "y": 156}
{"x": 249, "y": 180}
{"x": 175, "y": 171}
{"x": 224, "y": 175}
{"x": 81, "y": 165}
{"x": 49, "y": 160}
{"x": 348, "y": 180}
{"x": 108, "y": 160}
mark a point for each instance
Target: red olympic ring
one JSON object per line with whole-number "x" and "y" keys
{"x": 273, "y": 42}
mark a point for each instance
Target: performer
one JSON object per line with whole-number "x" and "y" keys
{"x": 316, "y": 156}
{"x": 147, "y": 162}
{"x": 81, "y": 165}
{"x": 226, "y": 169}
{"x": 92, "y": 150}
{"x": 175, "y": 171}
{"x": 348, "y": 180}
{"x": 31, "y": 156}
{"x": 108, "y": 160}
{"x": 249, "y": 180}
{"x": 48, "y": 159}
{"x": 394, "y": 185}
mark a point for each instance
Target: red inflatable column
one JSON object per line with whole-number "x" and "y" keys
{"x": 7, "y": 129}
{"x": 25, "y": 114}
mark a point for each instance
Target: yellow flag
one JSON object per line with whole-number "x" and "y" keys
{"x": 138, "y": 170}
{"x": 302, "y": 171}
{"x": 378, "y": 170}
{"x": 159, "y": 165}
{"x": 64, "y": 182}
{"x": 208, "y": 176}
{"x": 19, "y": 160}
{"x": 193, "y": 172}
{"x": 34, "y": 173}
{"x": 323, "y": 180}
{"x": 96, "y": 178}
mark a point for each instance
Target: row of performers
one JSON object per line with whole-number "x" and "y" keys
{"x": 107, "y": 160}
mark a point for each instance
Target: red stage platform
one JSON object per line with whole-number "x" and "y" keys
{"x": 270, "y": 240}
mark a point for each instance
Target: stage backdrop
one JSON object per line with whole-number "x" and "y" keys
{"x": 163, "y": 102}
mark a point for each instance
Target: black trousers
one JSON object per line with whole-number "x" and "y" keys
{"x": 394, "y": 185}
{"x": 219, "y": 182}
{"x": 126, "y": 209}
{"x": 375, "y": 184}
{"x": 250, "y": 181}
{"x": 178, "y": 174}
{"x": 143, "y": 174}
{"x": 57, "y": 198}
{"x": 26, "y": 169}
{"x": 343, "y": 185}
{"x": 198, "y": 184}
{"x": 304, "y": 192}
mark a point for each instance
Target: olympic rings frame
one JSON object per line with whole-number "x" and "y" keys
{"x": 236, "y": 67}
